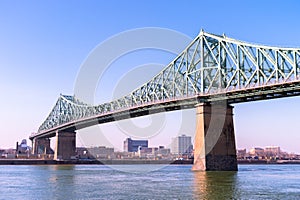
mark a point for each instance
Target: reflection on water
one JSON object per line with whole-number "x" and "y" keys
{"x": 56, "y": 176}
{"x": 215, "y": 185}
{"x": 62, "y": 176}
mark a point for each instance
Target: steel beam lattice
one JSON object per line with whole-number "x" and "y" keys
{"x": 210, "y": 65}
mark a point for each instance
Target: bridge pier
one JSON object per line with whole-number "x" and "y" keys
{"x": 65, "y": 145}
{"x": 41, "y": 146}
{"x": 215, "y": 148}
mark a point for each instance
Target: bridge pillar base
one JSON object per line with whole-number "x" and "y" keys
{"x": 41, "y": 146}
{"x": 65, "y": 145}
{"x": 215, "y": 148}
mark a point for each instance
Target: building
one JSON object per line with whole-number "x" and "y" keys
{"x": 153, "y": 152}
{"x": 131, "y": 145}
{"x": 163, "y": 151}
{"x": 101, "y": 152}
{"x": 257, "y": 151}
{"x": 23, "y": 148}
{"x": 82, "y": 153}
{"x": 147, "y": 152}
{"x": 241, "y": 153}
{"x": 182, "y": 145}
{"x": 272, "y": 151}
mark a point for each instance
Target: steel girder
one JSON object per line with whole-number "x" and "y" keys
{"x": 210, "y": 65}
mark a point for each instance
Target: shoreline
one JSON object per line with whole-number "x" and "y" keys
{"x": 90, "y": 162}
{"x": 126, "y": 162}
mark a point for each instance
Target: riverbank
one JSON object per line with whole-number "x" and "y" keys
{"x": 268, "y": 162}
{"x": 126, "y": 162}
{"x": 88, "y": 162}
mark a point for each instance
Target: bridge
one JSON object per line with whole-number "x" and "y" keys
{"x": 210, "y": 74}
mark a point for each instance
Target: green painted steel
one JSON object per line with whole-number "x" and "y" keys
{"x": 211, "y": 68}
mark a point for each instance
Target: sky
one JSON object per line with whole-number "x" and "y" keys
{"x": 44, "y": 44}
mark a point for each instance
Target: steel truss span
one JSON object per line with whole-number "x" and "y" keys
{"x": 212, "y": 68}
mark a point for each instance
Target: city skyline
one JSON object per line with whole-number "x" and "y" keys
{"x": 43, "y": 48}
{"x": 176, "y": 148}
{"x": 169, "y": 145}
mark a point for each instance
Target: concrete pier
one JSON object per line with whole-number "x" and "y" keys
{"x": 41, "y": 146}
{"x": 215, "y": 148}
{"x": 65, "y": 145}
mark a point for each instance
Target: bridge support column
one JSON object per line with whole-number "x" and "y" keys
{"x": 214, "y": 140}
{"x": 65, "y": 145}
{"x": 41, "y": 146}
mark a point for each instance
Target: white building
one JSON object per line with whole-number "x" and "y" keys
{"x": 257, "y": 151}
{"x": 272, "y": 151}
{"x": 182, "y": 145}
{"x": 101, "y": 152}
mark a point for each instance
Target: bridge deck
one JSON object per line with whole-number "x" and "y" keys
{"x": 279, "y": 90}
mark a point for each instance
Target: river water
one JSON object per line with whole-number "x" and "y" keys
{"x": 148, "y": 182}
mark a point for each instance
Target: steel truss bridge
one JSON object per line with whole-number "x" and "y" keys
{"x": 212, "y": 68}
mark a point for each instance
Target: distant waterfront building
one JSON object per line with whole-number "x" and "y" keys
{"x": 182, "y": 145}
{"x": 82, "y": 153}
{"x": 153, "y": 152}
{"x": 272, "y": 151}
{"x": 131, "y": 145}
{"x": 23, "y": 148}
{"x": 163, "y": 151}
{"x": 101, "y": 152}
{"x": 257, "y": 151}
{"x": 241, "y": 153}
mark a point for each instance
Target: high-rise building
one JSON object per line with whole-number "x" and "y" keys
{"x": 182, "y": 145}
{"x": 131, "y": 145}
